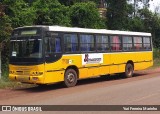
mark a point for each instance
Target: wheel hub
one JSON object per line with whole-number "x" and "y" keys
{"x": 70, "y": 77}
{"x": 129, "y": 71}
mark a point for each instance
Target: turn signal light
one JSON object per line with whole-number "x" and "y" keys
{"x": 37, "y": 73}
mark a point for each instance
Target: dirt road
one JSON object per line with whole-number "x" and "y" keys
{"x": 142, "y": 89}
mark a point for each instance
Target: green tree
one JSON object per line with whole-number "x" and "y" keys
{"x": 51, "y": 12}
{"x": 5, "y": 31}
{"x": 20, "y": 12}
{"x": 5, "y": 28}
{"x": 117, "y": 14}
{"x": 151, "y": 24}
{"x": 72, "y": 2}
{"x": 136, "y": 24}
{"x": 86, "y": 15}
{"x": 5, "y": 25}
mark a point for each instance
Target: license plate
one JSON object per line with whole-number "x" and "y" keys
{"x": 22, "y": 79}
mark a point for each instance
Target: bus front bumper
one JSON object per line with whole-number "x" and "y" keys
{"x": 27, "y": 79}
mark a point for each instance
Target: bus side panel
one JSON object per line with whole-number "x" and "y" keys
{"x": 112, "y": 63}
{"x": 121, "y": 68}
{"x": 96, "y": 69}
{"x": 83, "y": 73}
{"x": 54, "y": 72}
{"x": 145, "y": 61}
{"x": 114, "y": 69}
{"x": 54, "y": 76}
{"x": 93, "y": 71}
{"x": 142, "y": 65}
{"x": 115, "y": 61}
{"x": 141, "y": 60}
{"x": 105, "y": 68}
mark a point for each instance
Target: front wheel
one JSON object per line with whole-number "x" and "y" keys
{"x": 70, "y": 78}
{"x": 128, "y": 70}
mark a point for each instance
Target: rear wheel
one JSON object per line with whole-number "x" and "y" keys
{"x": 70, "y": 78}
{"x": 128, "y": 70}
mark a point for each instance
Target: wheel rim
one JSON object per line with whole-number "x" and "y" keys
{"x": 70, "y": 78}
{"x": 129, "y": 70}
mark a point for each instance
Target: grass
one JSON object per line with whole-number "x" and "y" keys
{"x": 156, "y": 56}
{"x": 5, "y": 83}
{"x": 13, "y": 85}
{"x": 156, "y": 63}
{"x": 8, "y": 84}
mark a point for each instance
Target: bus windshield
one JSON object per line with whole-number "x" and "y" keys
{"x": 26, "y": 47}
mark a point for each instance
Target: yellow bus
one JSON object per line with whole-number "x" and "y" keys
{"x": 50, "y": 54}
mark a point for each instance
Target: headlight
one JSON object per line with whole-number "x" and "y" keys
{"x": 11, "y": 72}
{"x": 36, "y": 73}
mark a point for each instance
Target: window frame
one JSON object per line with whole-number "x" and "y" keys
{"x": 94, "y": 43}
{"x": 110, "y": 43}
{"x": 141, "y": 48}
{"x": 78, "y": 43}
{"x": 95, "y": 49}
{"x": 101, "y": 51}
{"x": 150, "y": 43}
{"x": 132, "y": 49}
{"x": 52, "y": 57}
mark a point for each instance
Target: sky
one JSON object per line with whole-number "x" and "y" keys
{"x": 154, "y": 4}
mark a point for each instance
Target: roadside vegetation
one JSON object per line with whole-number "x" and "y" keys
{"x": 5, "y": 83}
{"x": 156, "y": 56}
{"x": 120, "y": 15}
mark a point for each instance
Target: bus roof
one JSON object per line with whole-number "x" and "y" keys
{"x": 87, "y": 30}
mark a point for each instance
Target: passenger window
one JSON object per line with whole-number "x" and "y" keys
{"x": 70, "y": 42}
{"x": 147, "y": 43}
{"x": 53, "y": 49}
{"x": 102, "y": 43}
{"x": 87, "y": 43}
{"x": 115, "y": 43}
{"x": 127, "y": 43}
{"x": 53, "y": 44}
{"x": 137, "y": 43}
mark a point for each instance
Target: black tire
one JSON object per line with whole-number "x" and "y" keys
{"x": 70, "y": 78}
{"x": 128, "y": 70}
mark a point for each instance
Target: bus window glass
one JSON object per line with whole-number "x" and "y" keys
{"x": 146, "y": 43}
{"x": 57, "y": 45}
{"x": 127, "y": 43}
{"x": 115, "y": 43}
{"x": 53, "y": 44}
{"x": 70, "y": 42}
{"x": 102, "y": 43}
{"x": 137, "y": 43}
{"x": 87, "y": 43}
{"x": 26, "y": 47}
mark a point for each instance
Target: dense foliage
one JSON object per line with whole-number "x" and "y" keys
{"x": 80, "y": 13}
{"x": 85, "y": 15}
